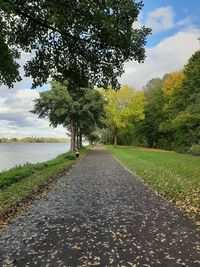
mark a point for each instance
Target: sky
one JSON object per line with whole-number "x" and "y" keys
{"x": 175, "y": 28}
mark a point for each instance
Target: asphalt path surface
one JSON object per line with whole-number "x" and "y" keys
{"x": 99, "y": 214}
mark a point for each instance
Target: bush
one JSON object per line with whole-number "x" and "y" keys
{"x": 70, "y": 157}
{"x": 195, "y": 150}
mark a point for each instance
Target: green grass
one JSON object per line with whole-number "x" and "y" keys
{"x": 17, "y": 183}
{"x": 174, "y": 176}
{"x": 16, "y": 174}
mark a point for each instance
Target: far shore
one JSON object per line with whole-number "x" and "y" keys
{"x": 34, "y": 140}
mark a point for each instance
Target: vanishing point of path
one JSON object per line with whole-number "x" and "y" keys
{"x": 98, "y": 214}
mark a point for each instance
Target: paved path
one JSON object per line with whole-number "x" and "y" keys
{"x": 100, "y": 215}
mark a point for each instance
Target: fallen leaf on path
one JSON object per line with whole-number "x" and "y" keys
{"x": 77, "y": 247}
{"x": 75, "y": 229}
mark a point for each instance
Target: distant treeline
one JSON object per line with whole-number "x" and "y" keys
{"x": 34, "y": 140}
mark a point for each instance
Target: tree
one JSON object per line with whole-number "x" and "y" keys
{"x": 171, "y": 85}
{"x": 84, "y": 42}
{"x": 93, "y": 137}
{"x": 151, "y": 87}
{"x": 106, "y": 136}
{"x": 172, "y": 82}
{"x": 184, "y": 106}
{"x": 148, "y": 130}
{"x": 172, "y": 109}
{"x": 76, "y": 113}
{"x": 90, "y": 113}
{"x": 122, "y": 108}
{"x": 9, "y": 72}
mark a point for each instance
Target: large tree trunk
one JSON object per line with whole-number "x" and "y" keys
{"x": 115, "y": 140}
{"x": 80, "y": 138}
{"x": 77, "y": 137}
{"x": 115, "y": 137}
{"x": 73, "y": 137}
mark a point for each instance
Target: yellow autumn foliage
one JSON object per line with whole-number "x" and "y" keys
{"x": 123, "y": 106}
{"x": 173, "y": 82}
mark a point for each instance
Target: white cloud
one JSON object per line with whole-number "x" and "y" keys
{"x": 161, "y": 19}
{"x": 187, "y": 22}
{"x": 15, "y": 104}
{"x": 16, "y": 120}
{"x": 171, "y": 54}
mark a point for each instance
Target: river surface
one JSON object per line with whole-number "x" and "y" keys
{"x": 12, "y": 154}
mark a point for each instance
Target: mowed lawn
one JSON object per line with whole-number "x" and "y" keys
{"x": 174, "y": 176}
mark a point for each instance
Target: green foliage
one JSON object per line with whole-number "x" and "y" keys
{"x": 183, "y": 107}
{"x": 151, "y": 87}
{"x": 149, "y": 129}
{"x": 93, "y": 137}
{"x": 172, "y": 111}
{"x": 90, "y": 111}
{"x": 61, "y": 105}
{"x": 172, "y": 175}
{"x": 56, "y": 104}
{"x": 195, "y": 149}
{"x": 106, "y": 136}
{"x": 9, "y": 72}
{"x": 122, "y": 108}
{"x": 85, "y": 42}
{"x": 79, "y": 110}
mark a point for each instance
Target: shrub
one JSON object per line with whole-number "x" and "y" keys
{"x": 70, "y": 157}
{"x": 195, "y": 149}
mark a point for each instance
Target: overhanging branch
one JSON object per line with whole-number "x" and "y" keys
{"x": 44, "y": 24}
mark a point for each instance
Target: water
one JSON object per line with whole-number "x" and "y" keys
{"x": 12, "y": 154}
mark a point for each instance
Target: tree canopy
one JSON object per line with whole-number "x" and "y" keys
{"x": 171, "y": 112}
{"x": 184, "y": 119}
{"x": 80, "y": 114}
{"x": 122, "y": 108}
{"x": 85, "y": 42}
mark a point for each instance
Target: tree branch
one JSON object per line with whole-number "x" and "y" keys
{"x": 45, "y": 25}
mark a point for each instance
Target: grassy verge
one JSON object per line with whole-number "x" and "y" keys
{"x": 174, "y": 176}
{"x": 18, "y": 185}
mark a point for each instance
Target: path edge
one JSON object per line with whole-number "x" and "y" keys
{"x": 134, "y": 175}
{"x": 40, "y": 192}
